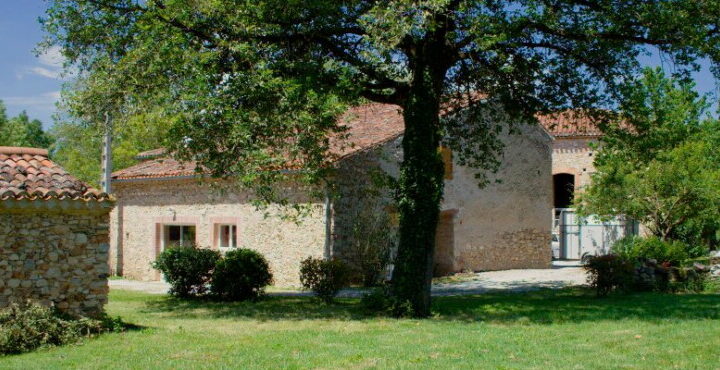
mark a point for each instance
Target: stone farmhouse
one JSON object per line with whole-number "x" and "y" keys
{"x": 576, "y": 138}
{"x": 505, "y": 225}
{"x": 572, "y": 158}
{"x": 53, "y": 235}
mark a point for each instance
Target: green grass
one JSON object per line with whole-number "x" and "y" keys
{"x": 546, "y": 329}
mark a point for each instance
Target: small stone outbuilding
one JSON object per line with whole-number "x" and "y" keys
{"x": 53, "y": 235}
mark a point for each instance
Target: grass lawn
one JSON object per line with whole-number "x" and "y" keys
{"x": 547, "y": 329}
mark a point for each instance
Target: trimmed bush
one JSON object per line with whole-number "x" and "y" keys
{"x": 241, "y": 275}
{"x": 609, "y": 272}
{"x": 27, "y": 327}
{"x": 652, "y": 248}
{"x": 188, "y": 270}
{"x": 324, "y": 277}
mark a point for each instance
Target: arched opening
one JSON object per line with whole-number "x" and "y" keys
{"x": 563, "y": 189}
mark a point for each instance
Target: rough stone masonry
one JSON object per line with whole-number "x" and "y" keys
{"x": 53, "y": 235}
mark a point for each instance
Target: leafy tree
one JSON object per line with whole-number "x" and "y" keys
{"x": 3, "y": 116}
{"x": 78, "y": 146}
{"x": 658, "y": 163}
{"x": 21, "y": 131}
{"x": 258, "y": 84}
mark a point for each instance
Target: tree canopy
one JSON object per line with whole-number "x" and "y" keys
{"x": 259, "y": 84}
{"x": 658, "y": 161}
{"x": 21, "y": 131}
{"x": 78, "y": 146}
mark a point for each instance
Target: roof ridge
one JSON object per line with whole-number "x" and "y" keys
{"x": 19, "y": 150}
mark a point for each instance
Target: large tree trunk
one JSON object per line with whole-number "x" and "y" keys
{"x": 420, "y": 192}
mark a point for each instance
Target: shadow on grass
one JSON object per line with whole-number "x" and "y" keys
{"x": 545, "y": 307}
{"x": 577, "y": 305}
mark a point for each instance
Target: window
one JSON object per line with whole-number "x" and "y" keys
{"x": 226, "y": 236}
{"x": 178, "y": 236}
{"x": 447, "y": 159}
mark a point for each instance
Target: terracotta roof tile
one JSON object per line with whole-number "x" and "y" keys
{"x": 570, "y": 123}
{"x": 368, "y": 126}
{"x": 27, "y": 173}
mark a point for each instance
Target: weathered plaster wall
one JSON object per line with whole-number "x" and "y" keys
{"x": 143, "y": 205}
{"x": 504, "y": 225}
{"x": 574, "y": 156}
{"x": 360, "y": 207}
{"x": 55, "y": 258}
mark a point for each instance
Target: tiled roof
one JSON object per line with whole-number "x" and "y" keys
{"x": 151, "y": 154}
{"x": 27, "y": 173}
{"x": 157, "y": 167}
{"x": 570, "y": 123}
{"x": 368, "y": 126}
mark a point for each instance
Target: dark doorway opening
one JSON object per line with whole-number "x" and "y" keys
{"x": 564, "y": 190}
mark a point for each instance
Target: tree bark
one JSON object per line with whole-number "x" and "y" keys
{"x": 420, "y": 192}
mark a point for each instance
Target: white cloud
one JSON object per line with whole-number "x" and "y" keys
{"x": 51, "y": 62}
{"x": 42, "y": 71}
{"x": 45, "y": 100}
{"x": 52, "y": 57}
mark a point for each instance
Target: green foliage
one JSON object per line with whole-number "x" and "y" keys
{"x": 78, "y": 146}
{"x": 673, "y": 252}
{"x": 24, "y": 328}
{"x": 21, "y": 131}
{"x": 240, "y": 275}
{"x": 188, "y": 270}
{"x": 324, "y": 277}
{"x": 381, "y": 300}
{"x": 259, "y": 84}
{"x": 373, "y": 238}
{"x": 658, "y": 164}
{"x": 609, "y": 272}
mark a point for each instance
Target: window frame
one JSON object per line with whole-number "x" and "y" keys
{"x": 165, "y": 230}
{"x": 233, "y": 237}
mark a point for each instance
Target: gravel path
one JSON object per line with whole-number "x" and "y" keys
{"x": 563, "y": 274}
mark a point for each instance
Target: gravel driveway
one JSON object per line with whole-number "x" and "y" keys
{"x": 563, "y": 274}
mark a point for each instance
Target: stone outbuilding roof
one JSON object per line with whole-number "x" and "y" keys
{"x": 28, "y": 174}
{"x": 368, "y": 126}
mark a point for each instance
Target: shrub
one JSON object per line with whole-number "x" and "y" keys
{"x": 241, "y": 275}
{"x": 26, "y": 327}
{"x": 380, "y": 299}
{"x": 652, "y": 248}
{"x": 609, "y": 272}
{"x": 690, "y": 279}
{"x": 324, "y": 277}
{"x": 377, "y": 299}
{"x": 187, "y": 269}
{"x": 373, "y": 238}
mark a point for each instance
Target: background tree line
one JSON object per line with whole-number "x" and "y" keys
{"x": 77, "y": 145}
{"x": 22, "y": 131}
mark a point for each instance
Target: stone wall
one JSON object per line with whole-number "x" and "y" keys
{"x": 507, "y": 224}
{"x": 55, "y": 258}
{"x": 574, "y": 156}
{"x": 144, "y": 206}
{"x": 361, "y": 207}
{"x": 504, "y": 225}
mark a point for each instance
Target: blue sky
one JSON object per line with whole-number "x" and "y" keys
{"x": 26, "y": 82}
{"x": 33, "y": 83}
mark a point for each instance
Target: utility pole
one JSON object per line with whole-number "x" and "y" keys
{"x": 107, "y": 156}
